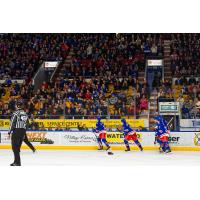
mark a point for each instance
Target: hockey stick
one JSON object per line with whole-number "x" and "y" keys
{"x": 119, "y": 130}
{"x": 169, "y": 122}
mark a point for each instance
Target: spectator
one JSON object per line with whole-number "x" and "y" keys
{"x": 143, "y": 103}
{"x": 84, "y": 128}
{"x": 111, "y": 63}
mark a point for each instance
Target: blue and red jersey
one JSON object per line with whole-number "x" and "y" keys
{"x": 127, "y": 129}
{"x": 129, "y": 133}
{"x": 100, "y": 126}
{"x": 160, "y": 129}
{"x": 100, "y": 129}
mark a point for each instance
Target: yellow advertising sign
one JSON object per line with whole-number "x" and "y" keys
{"x": 36, "y": 136}
{"x": 4, "y": 123}
{"x": 73, "y": 123}
{"x": 87, "y": 122}
{"x": 118, "y": 138}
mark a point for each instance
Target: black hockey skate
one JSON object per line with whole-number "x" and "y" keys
{"x": 108, "y": 147}
{"x": 168, "y": 151}
{"x": 15, "y": 164}
{"x": 100, "y": 148}
{"x": 160, "y": 150}
{"x": 128, "y": 148}
{"x": 109, "y": 150}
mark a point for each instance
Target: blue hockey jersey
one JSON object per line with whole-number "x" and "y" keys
{"x": 161, "y": 120}
{"x": 160, "y": 129}
{"x": 126, "y": 128}
{"x": 99, "y": 126}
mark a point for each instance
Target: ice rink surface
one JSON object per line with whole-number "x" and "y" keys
{"x": 101, "y": 158}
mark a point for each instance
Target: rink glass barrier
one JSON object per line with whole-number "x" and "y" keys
{"x": 38, "y": 123}
{"x": 75, "y": 124}
{"x": 86, "y": 140}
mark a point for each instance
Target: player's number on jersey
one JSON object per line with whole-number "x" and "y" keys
{"x": 24, "y": 118}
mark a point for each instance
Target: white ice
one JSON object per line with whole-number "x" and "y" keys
{"x": 97, "y": 158}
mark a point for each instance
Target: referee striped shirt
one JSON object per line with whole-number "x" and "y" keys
{"x": 19, "y": 119}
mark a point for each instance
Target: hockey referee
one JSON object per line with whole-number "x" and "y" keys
{"x": 19, "y": 121}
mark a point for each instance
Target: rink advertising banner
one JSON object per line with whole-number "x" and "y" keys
{"x": 4, "y": 123}
{"x": 36, "y": 137}
{"x": 88, "y": 138}
{"x": 78, "y": 139}
{"x": 73, "y": 123}
{"x": 51, "y": 138}
{"x": 197, "y": 139}
{"x": 116, "y": 138}
{"x": 85, "y": 139}
{"x": 192, "y": 123}
{"x": 4, "y": 137}
{"x": 43, "y": 137}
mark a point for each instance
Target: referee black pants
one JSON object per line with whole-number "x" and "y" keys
{"x": 17, "y": 139}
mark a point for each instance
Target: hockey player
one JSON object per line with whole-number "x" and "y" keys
{"x": 129, "y": 134}
{"x": 157, "y": 139}
{"x": 162, "y": 134}
{"x": 101, "y": 131}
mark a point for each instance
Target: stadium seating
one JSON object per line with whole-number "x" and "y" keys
{"x": 100, "y": 78}
{"x": 185, "y": 67}
{"x": 95, "y": 56}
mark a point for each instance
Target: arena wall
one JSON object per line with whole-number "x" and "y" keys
{"x": 185, "y": 141}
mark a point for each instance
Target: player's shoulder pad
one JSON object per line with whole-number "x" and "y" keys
{"x": 16, "y": 112}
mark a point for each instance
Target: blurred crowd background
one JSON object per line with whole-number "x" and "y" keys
{"x": 99, "y": 74}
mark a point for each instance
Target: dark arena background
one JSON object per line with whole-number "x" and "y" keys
{"x": 66, "y": 81}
